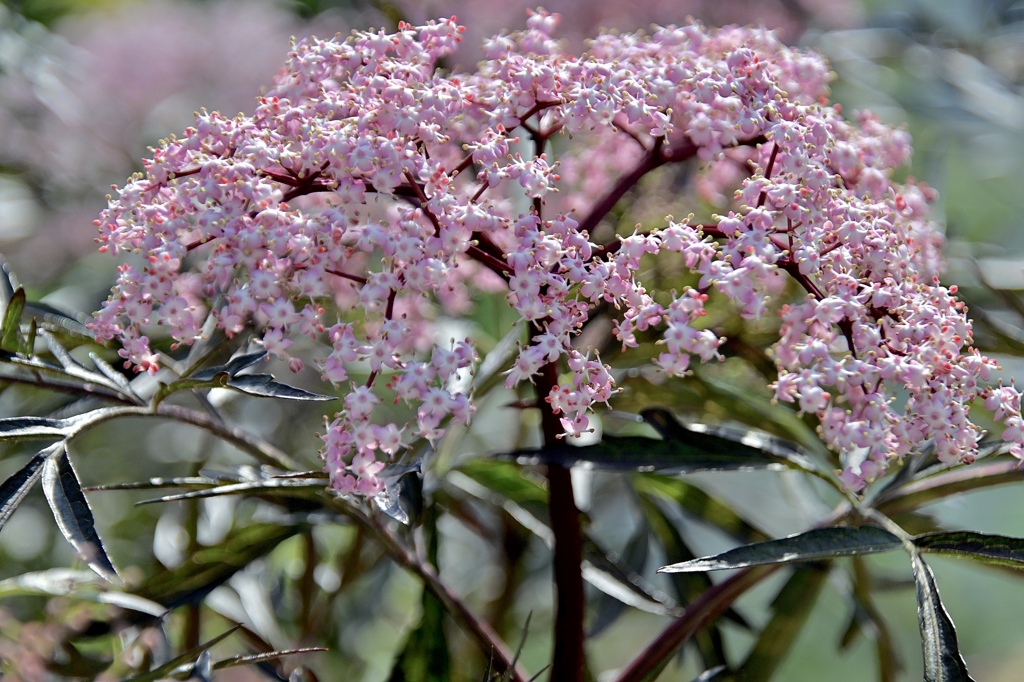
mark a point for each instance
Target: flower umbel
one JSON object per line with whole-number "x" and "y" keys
{"x": 367, "y": 180}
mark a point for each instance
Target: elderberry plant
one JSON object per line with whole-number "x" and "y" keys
{"x": 373, "y": 199}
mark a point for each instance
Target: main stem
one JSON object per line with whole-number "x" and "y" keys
{"x": 567, "y": 659}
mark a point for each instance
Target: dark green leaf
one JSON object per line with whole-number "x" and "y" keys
{"x": 235, "y": 661}
{"x": 206, "y": 568}
{"x": 942, "y": 659}
{"x": 712, "y": 674}
{"x": 185, "y": 659}
{"x": 72, "y": 513}
{"x": 700, "y": 505}
{"x": 32, "y": 427}
{"x": 942, "y": 485}
{"x": 279, "y": 484}
{"x": 264, "y": 386}
{"x": 688, "y": 586}
{"x": 202, "y": 670}
{"x": 108, "y": 371}
{"x": 683, "y": 450}
{"x": 790, "y": 610}
{"x": 66, "y": 582}
{"x": 17, "y": 485}
{"x": 425, "y": 656}
{"x": 56, "y": 320}
{"x": 232, "y": 368}
{"x": 402, "y": 496}
{"x": 820, "y": 543}
{"x": 633, "y": 453}
{"x": 995, "y": 549}
{"x": 10, "y": 332}
{"x": 608, "y": 608}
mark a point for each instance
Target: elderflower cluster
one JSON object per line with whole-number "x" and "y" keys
{"x": 367, "y": 180}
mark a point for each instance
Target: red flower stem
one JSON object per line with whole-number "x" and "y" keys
{"x": 496, "y": 265}
{"x": 567, "y": 658}
{"x": 652, "y": 160}
{"x": 768, "y": 174}
{"x": 345, "y": 275}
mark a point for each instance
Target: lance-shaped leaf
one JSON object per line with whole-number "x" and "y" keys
{"x": 790, "y": 610}
{"x": 942, "y": 659}
{"x": 11, "y": 330}
{"x": 73, "y": 514}
{"x": 40, "y": 373}
{"x": 402, "y": 496}
{"x": 525, "y": 500}
{"x": 993, "y": 549}
{"x": 425, "y": 656}
{"x": 265, "y": 386}
{"x": 688, "y": 586}
{"x": 209, "y": 567}
{"x": 682, "y": 450}
{"x": 820, "y": 543}
{"x": 178, "y": 662}
{"x": 231, "y": 368}
{"x": 13, "y": 428}
{"x": 66, "y": 582}
{"x": 75, "y": 370}
{"x": 17, "y": 485}
{"x": 700, "y": 505}
{"x": 633, "y": 453}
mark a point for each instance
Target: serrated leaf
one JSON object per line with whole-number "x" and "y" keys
{"x": 820, "y": 543}
{"x": 231, "y": 368}
{"x": 942, "y": 659}
{"x": 41, "y": 374}
{"x": 17, "y": 485}
{"x": 73, "y": 515}
{"x": 108, "y": 371}
{"x": 994, "y": 549}
{"x": 10, "y": 332}
{"x": 61, "y": 353}
{"x": 265, "y": 386}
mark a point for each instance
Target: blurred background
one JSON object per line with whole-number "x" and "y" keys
{"x": 87, "y": 85}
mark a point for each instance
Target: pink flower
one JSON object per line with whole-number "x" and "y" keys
{"x": 370, "y": 191}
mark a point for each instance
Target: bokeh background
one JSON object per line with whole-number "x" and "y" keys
{"x": 87, "y": 85}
